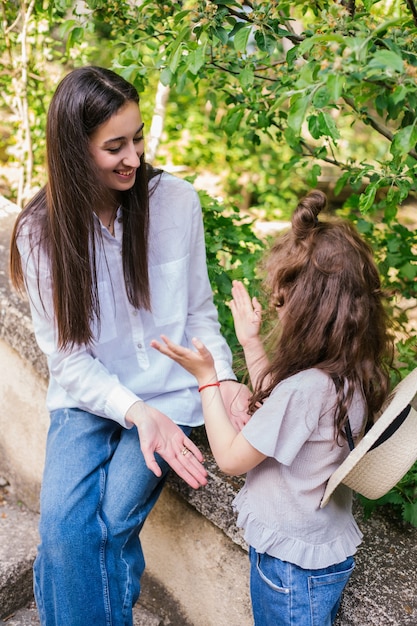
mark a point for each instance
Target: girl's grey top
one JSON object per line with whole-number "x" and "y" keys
{"x": 279, "y": 505}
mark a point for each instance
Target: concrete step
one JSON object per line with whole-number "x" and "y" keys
{"x": 28, "y": 616}
{"x": 18, "y": 541}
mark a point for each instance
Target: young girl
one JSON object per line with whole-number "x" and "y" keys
{"x": 111, "y": 254}
{"x": 328, "y": 368}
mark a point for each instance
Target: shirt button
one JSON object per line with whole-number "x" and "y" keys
{"x": 134, "y": 312}
{"x": 140, "y": 346}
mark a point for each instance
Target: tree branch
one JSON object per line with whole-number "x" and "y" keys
{"x": 413, "y": 10}
{"x": 382, "y": 130}
{"x": 350, "y": 5}
{"x": 217, "y": 66}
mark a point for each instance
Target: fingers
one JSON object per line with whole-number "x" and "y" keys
{"x": 188, "y": 466}
{"x": 188, "y": 463}
{"x": 242, "y": 304}
{"x": 184, "y": 356}
{"x": 201, "y": 348}
{"x": 195, "y": 451}
{"x": 256, "y": 306}
{"x": 164, "y": 348}
{"x": 240, "y": 294}
{"x": 169, "y": 348}
{"x": 151, "y": 463}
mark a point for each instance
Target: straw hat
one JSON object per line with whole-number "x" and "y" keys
{"x": 387, "y": 451}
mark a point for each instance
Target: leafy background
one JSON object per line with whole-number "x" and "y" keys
{"x": 256, "y": 102}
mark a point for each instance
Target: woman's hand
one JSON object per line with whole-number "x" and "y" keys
{"x": 159, "y": 434}
{"x": 247, "y": 314}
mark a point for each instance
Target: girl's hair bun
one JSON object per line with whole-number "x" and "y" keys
{"x": 304, "y": 218}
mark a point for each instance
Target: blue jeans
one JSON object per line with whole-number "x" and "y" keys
{"x": 284, "y": 594}
{"x": 96, "y": 494}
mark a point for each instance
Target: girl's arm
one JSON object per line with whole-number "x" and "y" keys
{"x": 202, "y": 316}
{"x": 247, "y": 317}
{"x": 233, "y": 453}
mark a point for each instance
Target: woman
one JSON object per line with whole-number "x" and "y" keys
{"x": 110, "y": 253}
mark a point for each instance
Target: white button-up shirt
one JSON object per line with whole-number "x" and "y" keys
{"x": 120, "y": 367}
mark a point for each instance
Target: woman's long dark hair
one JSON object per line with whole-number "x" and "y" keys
{"x": 61, "y": 214}
{"x": 323, "y": 275}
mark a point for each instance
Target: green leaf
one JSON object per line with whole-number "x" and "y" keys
{"x": 321, "y": 98}
{"x": 66, "y": 27}
{"x": 313, "y": 174}
{"x": 314, "y": 126}
{"x": 265, "y": 42}
{"x": 322, "y": 125}
{"x": 240, "y": 40}
{"x": 328, "y": 127}
{"x": 340, "y": 184}
{"x": 196, "y": 59}
{"x": 232, "y": 121}
{"x": 165, "y": 76}
{"x": 76, "y": 35}
{"x": 410, "y": 512}
{"x": 399, "y": 94}
{"x": 246, "y": 77}
{"x": 298, "y": 108}
{"x": 384, "y": 59}
{"x": 222, "y": 34}
{"x": 366, "y": 199}
{"x": 404, "y": 141}
{"x": 175, "y": 57}
{"x": 178, "y": 17}
{"x": 365, "y": 227}
{"x": 408, "y": 271}
{"x": 335, "y": 84}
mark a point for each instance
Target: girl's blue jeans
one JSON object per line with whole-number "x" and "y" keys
{"x": 284, "y": 594}
{"x": 96, "y": 494}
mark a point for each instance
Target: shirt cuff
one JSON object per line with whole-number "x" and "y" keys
{"x": 224, "y": 371}
{"x": 118, "y": 403}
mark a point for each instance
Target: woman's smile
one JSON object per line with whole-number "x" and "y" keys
{"x": 117, "y": 147}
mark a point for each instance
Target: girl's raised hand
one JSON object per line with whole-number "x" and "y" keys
{"x": 247, "y": 313}
{"x": 199, "y": 363}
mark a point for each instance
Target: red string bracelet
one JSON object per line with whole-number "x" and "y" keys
{"x": 216, "y": 384}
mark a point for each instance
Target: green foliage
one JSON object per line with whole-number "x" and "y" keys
{"x": 275, "y": 97}
{"x": 402, "y": 499}
{"x": 233, "y": 251}
{"x": 294, "y": 101}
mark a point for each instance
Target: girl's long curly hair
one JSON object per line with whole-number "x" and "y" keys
{"x": 323, "y": 276}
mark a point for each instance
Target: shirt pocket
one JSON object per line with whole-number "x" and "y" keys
{"x": 169, "y": 291}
